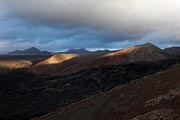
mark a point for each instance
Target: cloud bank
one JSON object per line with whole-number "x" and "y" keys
{"x": 111, "y": 20}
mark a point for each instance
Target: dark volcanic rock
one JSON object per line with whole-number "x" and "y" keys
{"x": 128, "y": 102}
{"x": 25, "y": 95}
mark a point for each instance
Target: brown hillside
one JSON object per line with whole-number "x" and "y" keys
{"x": 146, "y": 52}
{"x": 14, "y": 64}
{"x": 56, "y": 59}
{"x": 55, "y": 69}
{"x": 155, "y": 97}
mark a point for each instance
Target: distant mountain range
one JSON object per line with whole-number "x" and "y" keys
{"x": 30, "y": 51}
{"x": 36, "y": 51}
{"x": 78, "y": 51}
{"x": 175, "y": 51}
{"x": 83, "y": 51}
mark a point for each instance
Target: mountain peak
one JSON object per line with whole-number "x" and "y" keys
{"x": 29, "y": 51}
{"x": 78, "y": 51}
{"x": 32, "y": 49}
{"x": 145, "y": 52}
{"x": 145, "y": 45}
{"x": 149, "y": 44}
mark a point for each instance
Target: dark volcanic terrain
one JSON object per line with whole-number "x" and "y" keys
{"x": 25, "y": 95}
{"x": 155, "y": 97}
{"x": 35, "y": 84}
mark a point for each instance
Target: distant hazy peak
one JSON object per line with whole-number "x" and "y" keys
{"x": 32, "y": 49}
{"x": 148, "y": 45}
{"x": 29, "y": 51}
{"x": 78, "y": 51}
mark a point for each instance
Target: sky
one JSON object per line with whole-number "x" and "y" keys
{"x": 57, "y": 25}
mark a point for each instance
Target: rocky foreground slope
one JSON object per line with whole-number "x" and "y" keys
{"x": 155, "y": 97}
{"x": 25, "y": 95}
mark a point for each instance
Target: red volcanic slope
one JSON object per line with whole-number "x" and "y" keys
{"x": 146, "y": 52}
{"x": 155, "y": 97}
{"x": 55, "y": 69}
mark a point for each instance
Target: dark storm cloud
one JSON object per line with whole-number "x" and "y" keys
{"x": 26, "y": 35}
{"x": 16, "y": 33}
{"x": 67, "y": 24}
